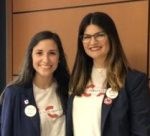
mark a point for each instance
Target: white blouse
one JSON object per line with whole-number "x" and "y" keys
{"x": 50, "y": 111}
{"x": 87, "y": 108}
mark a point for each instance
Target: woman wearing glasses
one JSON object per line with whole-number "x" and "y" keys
{"x": 108, "y": 97}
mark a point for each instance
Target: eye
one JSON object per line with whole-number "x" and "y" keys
{"x": 86, "y": 36}
{"x": 52, "y": 53}
{"x": 39, "y": 53}
{"x": 100, "y": 34}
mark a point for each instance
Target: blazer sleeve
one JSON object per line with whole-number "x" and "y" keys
{"x": 139, "y": 104}
{"x": 7, "y": 113}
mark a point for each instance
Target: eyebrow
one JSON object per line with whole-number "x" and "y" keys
{"x": 43, "y": 50}
{"x": 95, "y": 33}
{"x": 40, "y": 50}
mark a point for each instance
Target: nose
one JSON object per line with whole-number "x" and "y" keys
{"x": 93, "y": 40}
{"x": 45, "y": 58}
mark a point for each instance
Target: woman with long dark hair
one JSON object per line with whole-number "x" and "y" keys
{"x": 35, "y": 103}
{"x": 108, "y": 97}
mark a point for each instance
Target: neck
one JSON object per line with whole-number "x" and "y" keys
{"x": 99, "y": 63}
{"x": 42, "y": 82}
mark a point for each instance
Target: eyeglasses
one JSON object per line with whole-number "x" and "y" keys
{"x": 99, "y": 36}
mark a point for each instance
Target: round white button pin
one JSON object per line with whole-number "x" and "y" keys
{"x": 111, "y": 94}
{"x": 30, "y": 110}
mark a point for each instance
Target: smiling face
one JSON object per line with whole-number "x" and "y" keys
{"x": 96, "y": 44}
{"x": 45, "y": 58}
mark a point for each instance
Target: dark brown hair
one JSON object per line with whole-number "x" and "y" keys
{"x": 116, "y": 59}
{"x": 61, "y": 74}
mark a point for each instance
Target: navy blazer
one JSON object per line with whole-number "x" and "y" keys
{"x": 129, "y": 113}
{"x": 14, "y": 121}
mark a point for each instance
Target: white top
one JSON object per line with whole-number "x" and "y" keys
{"x": 50, "y": 111}
{"x": 87, "y": 108}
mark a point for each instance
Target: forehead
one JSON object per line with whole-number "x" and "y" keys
{"x": 47, "y": 44}
{"x": 92, "y": 29}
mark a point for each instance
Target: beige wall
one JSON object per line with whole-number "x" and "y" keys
{"x": 63, "y": 17}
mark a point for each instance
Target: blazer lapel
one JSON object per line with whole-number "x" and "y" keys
{"x": 106, "y": 107}
{"x": 69, "y": 119}
{"x": 35, "y": 119}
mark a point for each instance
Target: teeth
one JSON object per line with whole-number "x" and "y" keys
{"x": 95, "y": 48}
{"x": 46, "y": 67}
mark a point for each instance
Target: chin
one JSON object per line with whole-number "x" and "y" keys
{"x": 95, "y": 56}
{"x": 46, "y": 74}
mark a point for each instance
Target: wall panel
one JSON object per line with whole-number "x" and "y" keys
{"x": 30, "y": 5}
{"x": 130, "y": 18}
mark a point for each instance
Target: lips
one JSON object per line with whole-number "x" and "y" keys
{"x": 46, "y": 66}
{"x": 95, "y": 48}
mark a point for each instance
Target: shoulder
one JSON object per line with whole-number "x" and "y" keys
{"x": 13, "y": 90}
{"x": 135, "y": 76}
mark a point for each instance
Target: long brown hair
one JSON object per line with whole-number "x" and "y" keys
{"x": 116, "y": 59}
{"x": 61, "y": 74}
